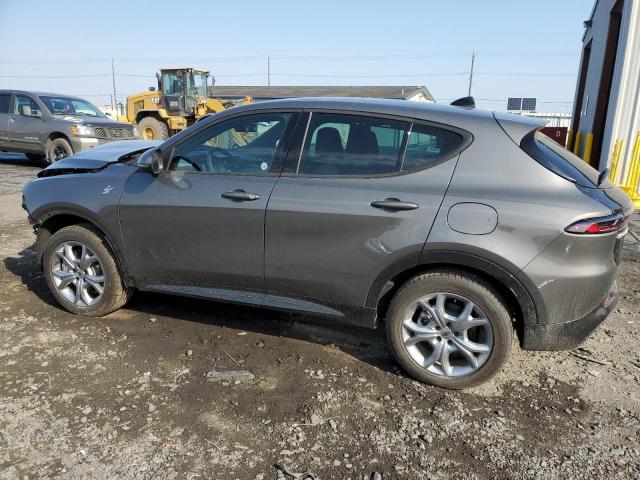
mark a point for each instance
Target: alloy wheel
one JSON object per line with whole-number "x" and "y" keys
{"x": 447, "y": 334}
{"x": 78, "y": 274}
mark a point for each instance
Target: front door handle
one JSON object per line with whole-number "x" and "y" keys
{"x": 241, "y": 196}
{"x": 394, "y": 204}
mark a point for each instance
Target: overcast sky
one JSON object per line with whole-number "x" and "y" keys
{"x": 523, "y": 49}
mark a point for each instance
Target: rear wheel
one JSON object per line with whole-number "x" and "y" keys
{"x": 150, "y": 128}
{"x": 449, "y": 329}
{"x": 82, "y": 273}
{"x": 57, "y": 149}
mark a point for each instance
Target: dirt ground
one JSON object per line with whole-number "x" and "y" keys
{"x": 125, "y": 396}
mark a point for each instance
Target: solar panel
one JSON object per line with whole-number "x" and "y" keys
{"x": 514, "y": 103}
{"x": 528, "y": 104}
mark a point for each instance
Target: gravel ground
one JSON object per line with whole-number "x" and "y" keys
{"x": 125, "y": 396}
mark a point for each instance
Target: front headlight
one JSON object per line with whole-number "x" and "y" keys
{"x": 82, "y": 131}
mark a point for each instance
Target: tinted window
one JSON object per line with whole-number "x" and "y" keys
{"x": 4, "y": 102}
{"x": 558, "y": 159}
{"x": 339, "y": 144}
{"x": 246, "y": 144}
{"x": 24, "y": 105}
{"x": 427, "y": 144}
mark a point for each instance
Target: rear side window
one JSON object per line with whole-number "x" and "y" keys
{"x": 338, "y": 144}
{"x": 428, "y": 144}
{"x": 559, "y": 160}
{"x": 4, "y": 102}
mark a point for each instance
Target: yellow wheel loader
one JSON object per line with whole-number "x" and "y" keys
{"x": 180, "y": 100}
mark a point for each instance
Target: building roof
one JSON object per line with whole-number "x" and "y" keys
{"x": 272, "y": 93}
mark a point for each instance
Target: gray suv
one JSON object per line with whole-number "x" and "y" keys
{"x": 455, "y": 227}
{"x": 49, "y": 126}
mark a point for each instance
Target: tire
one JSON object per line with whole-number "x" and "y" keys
{"x": 150, "y": 128}
{"x": 478, "y": 343}
{"x": 90, "y": 302}
{"x": 35, "y": 157}
{"x": 57, "y": 149}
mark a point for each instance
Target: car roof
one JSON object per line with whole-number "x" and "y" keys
{"x": 40, "y": 94}
{"x": 403, "y": 108}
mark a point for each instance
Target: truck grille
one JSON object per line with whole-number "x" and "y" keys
{"x": 114, "y": 133}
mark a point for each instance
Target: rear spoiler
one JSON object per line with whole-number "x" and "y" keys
{"x": 517, "y": 126}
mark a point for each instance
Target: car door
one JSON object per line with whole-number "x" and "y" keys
{"x": 359, "y": 197}
{"x": 5, "y": 101}
{"x": 200, "y": 223}
{"x": 25, "y": 124}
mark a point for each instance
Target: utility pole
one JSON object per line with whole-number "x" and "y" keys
{"x": 113, "y": 80}
{"x": 473, "y": 58}
{"x": 268, "y": 71}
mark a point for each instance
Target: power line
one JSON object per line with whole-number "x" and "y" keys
{"x": 301, "y": 58}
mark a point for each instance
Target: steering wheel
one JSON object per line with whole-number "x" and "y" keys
{"x": 189, "y": 161}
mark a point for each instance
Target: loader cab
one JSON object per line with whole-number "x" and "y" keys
{"x": 181, "y": 89}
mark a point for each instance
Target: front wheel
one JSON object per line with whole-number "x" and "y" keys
{"x": 82, "y": 273}
{"x": 57, "y": 149}
{"x": 449, "y": 329}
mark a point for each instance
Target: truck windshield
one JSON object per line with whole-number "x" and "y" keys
{"x": 70, "y": 106}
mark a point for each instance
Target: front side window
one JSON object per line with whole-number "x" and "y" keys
{"x": 339, "y": 144}
{"x": 24, "y": 106}
{"x": 70, "y": 106}
{"x": 246, "y": 144}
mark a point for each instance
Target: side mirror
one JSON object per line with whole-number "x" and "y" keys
{"x": 108, "y": 114}
{"x": 36, "y": 113}
{"x": 156, "y": 164}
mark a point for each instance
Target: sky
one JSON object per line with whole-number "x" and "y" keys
{"x": 523, "y": 49}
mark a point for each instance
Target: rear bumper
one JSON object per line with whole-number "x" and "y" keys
{"x": 567, "y": 335}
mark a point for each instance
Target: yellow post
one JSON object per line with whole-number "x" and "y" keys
{"x": 588, "y": 144}
{"x": 576, "y": 146}
{"x": 633, "y": 175}
{"x": 615, "y": 160}
{"x": 568, "y": 145}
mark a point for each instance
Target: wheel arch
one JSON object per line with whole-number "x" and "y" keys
{"x": 54, "y": 135}
{"x": 51, "y": 221}
{"x": 157, "y": 114}
{"x": 517, "y": 296}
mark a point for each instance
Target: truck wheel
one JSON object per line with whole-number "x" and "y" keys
{"x": 449, "y": 329}
{"x": 57, "y": 149}
{"x": 151, "y": 128}
{"x": 82, "y": 273}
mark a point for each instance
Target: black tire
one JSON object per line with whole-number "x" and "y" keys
{"x": 465, "y": 285}
{"x": 150, "y": 128}
{"x": 36, "y": 157}
{"x": 115, "y": 292}
{"x": 57, "y": 149}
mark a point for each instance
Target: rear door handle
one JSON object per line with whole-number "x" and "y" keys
{"x": 394, "y": 204}
{"x": 241, "y": 196}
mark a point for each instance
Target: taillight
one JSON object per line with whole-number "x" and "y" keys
{"x": 598, "y": 225}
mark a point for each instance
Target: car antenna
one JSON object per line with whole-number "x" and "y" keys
{"x": 465, "y": 102}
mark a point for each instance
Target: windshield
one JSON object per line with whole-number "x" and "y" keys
{"x": 71, "y": 106}
{"x": 198, "y": 84}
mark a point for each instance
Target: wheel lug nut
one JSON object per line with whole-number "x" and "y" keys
{"x": 449, "y": 342}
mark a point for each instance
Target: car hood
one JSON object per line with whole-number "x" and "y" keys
{"x": 98, "y": 157}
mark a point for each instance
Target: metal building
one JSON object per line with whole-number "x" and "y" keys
{"x": 605, "y": 130}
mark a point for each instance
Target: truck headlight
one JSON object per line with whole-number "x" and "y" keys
{"x": 82, "y": 131}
